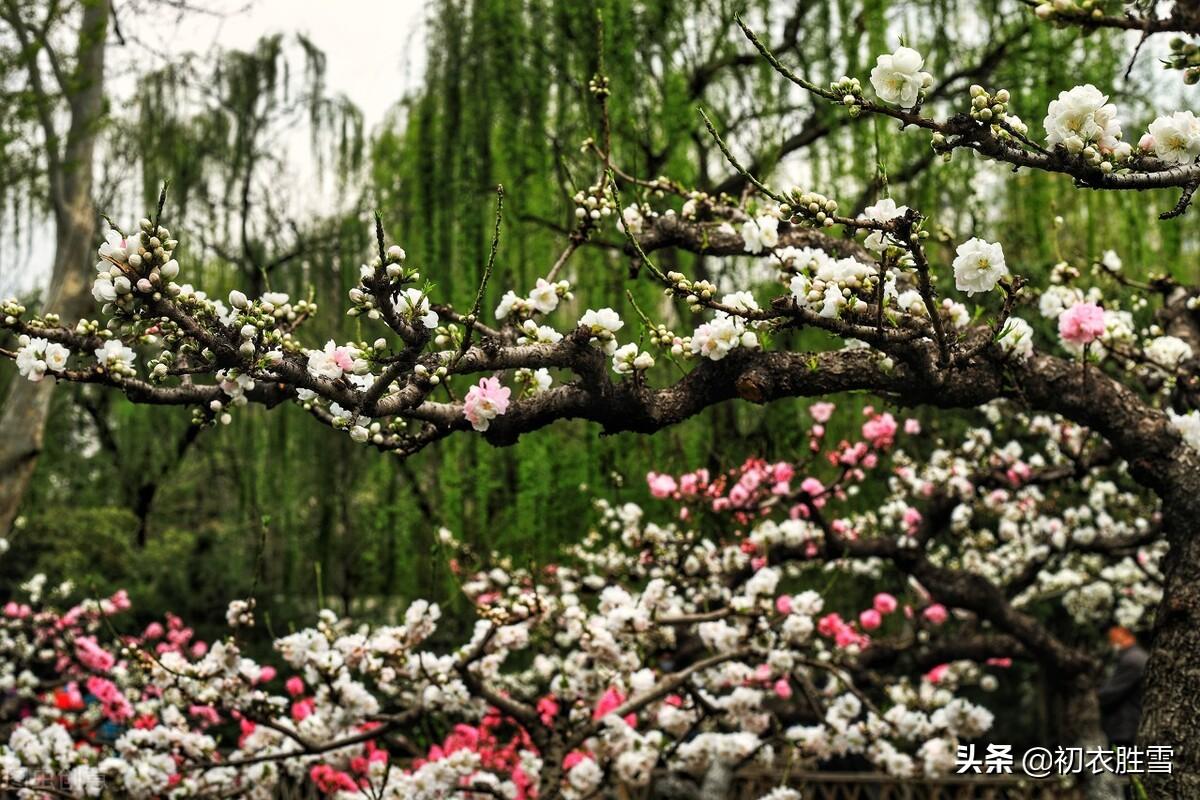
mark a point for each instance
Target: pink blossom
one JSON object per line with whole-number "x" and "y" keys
{"x": 693, "y": 482}
{"x": 812, "y": 487}
{"x": 92, "y": 655}
{"x": 609, "y": 701}
{"x": 484, "y": 402}
{"x": 880, "y": 431}
{"x": 205, "y": 713}
{"x": 16, "y": 610}
{"x": 936, "y": 674}
{"x": 936, "y": 614}
{"x": 783, "y": 604}
{"x": 1081, "y": 323}
{"x": 343, "y": 358}
{"x": 302, "y": 708}
{"x": 1146, "y": 143}
{"x": 821, "y": 412}
{"x": 912, "y": 427}
{"x": 661, "y": 484}
{"x": 547, "y": 709}
{"x": 1000, "y": 662}
{"x": 870, "y": 619}
{"x": 112, "y": 701}
{"x": 830, "y": 624}
{"x": 783, "y": 688}
{"x": 884, "y": 603}
{"x": 153, "y": 631}
{"x": 574, "y": 757}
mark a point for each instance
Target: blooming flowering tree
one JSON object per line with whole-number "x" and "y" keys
{"x": 656, "y": 652}
{"x": 649, "y": 653}
{"x": 1121, "y": 369}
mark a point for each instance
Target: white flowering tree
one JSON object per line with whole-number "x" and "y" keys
{"x": 1122, "y": 365}
{"x": 648, "y": 654}
{"x": 651, "y": 653}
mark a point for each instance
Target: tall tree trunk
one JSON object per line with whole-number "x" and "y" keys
{"x": 1171, "y": 709}
{"x": 23, "y": 417}
{"x": 1080, "y": 727}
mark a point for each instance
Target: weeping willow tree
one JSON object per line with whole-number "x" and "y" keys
{"x": 225, "y": 136}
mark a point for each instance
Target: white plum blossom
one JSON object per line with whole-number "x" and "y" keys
{"x": 1016, "y": 338}
{"x": 115, "y": 356}
{"x": 1082, "y": 116}
{"x": 627, "y": 359}
{"x": 978, "y": 266}
{"x": 1176, "y": 137}
{"x": 37, "y": 356}
{"x": 415, "y": 303}
{"x": 631, "y": 219}
{"x": 507, "y": 303}
{"x": 1188, "y": 426}
{"x": 544, "y": 297}
{"x": 603, "y": 326}
{"x": 883, "y": 210}
{"x": 898, "y": 78}
{"x": 715, "y": 339}
{"x": 1168, "y": 351}
{"x": 760, "y": 233}
{"x": 832, "y": 302}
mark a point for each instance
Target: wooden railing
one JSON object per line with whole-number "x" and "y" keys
{"x": 874, "y": 786}
{"x": 751, "y": 785}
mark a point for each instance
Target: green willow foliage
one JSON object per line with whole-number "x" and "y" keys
{"x": 275, "y": 504}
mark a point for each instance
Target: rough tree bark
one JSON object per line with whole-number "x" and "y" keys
{"x": 69, "y": 175}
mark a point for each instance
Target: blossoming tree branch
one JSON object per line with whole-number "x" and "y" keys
{"x": 1122, "y": 366}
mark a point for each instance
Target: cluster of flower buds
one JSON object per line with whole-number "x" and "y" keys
{"x": 813, "y": 207}
{"x": 662, "y": 336}
{"x": 598, "y": 86}
{"x": 1185, "y": 55}
{"x": 629, "y": 359}
{"x": 850, "y": 90}
{"x": 594, "y": 204}
{"x": 12, "y": 310}
{"x": 140, "y": 263}
{"x": 697, "y": 292}
{"x": 432, "y": 377}
{"x": 1068, "y": 8}
{"x": 986, "y": 106}
{"x": 391, "y": 274}
{"x": 257, "y": 322}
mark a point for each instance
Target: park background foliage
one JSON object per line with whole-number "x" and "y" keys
{"x": 303, "y": 518}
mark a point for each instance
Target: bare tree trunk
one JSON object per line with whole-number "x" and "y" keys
{"x": 1171, "y": 709}
{"x": 1080, "y": 727}
{"x": 23, "y": 417}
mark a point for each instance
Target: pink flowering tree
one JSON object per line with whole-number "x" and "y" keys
{"x": 1120, "y": 362}
{"x": 650, "y": 654}
{"x": 978, "y": 539}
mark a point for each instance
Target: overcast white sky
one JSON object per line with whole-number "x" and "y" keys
{"x": 374, "y": 47}
{"x": 374, "y": 50}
